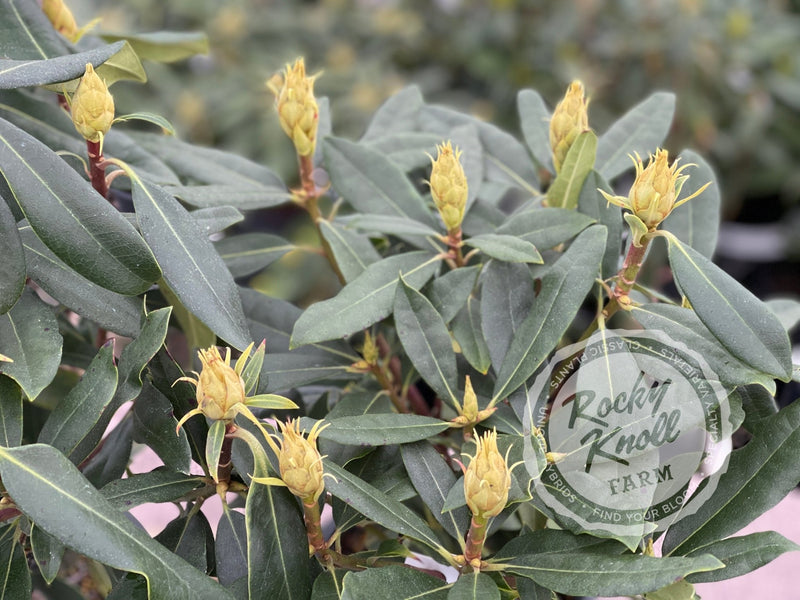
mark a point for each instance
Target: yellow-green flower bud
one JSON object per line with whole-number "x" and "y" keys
{"x": 570, "y": 118}
{"x": 656, "y": 189}
{"x": 61, "y": 17}
{"x": 219, "y": 386}
{"x": 92, "y": 107}
{"x": 297, "y": 108}
{"x": 449, "y": 185}
{"x": 468, "y": 413}
{"x": 300, "y": 462}
{"x": 487, "y": 478}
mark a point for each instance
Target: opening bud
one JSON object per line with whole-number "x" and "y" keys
{"x": 300, "y": 462}
{"x": 487, "y": 479}
{"x": 219, "y": 387}
{"x": 449, "y": 185}
{"x": 570, "y": 118}
{"x": 468, "y": 413}
{"x": 92, "y": 107}
{"x": 297, "y": 108}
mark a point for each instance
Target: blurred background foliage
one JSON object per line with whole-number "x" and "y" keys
{"x": 734, "y": 64}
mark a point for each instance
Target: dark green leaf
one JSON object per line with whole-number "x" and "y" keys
{"x": 190, "y": 537}
{"x": 108, "y": 309}
{"x": 757, "y": 402}
{"x": 739, "y": 320}
{"x": 248, "y": 253}
{"x": 159, "y": 485}
{"x": 191, "y": 266}
{"x": 390, "y": 224}
{"x": 757, "y": 478}
{"x": 371, "y": 183}
{"x": 216, "y": 435}
{"x": 364, "y": 301}
{"x": 426, "y": 341}
{"x": 743, "y": 554}
{"x": 164, "y": 46}
{"x": 285, "y": 371}
{"x": 593, "y": 204}
{"x": 449, "y": 292}
{"x": 15, "y": 578}
{"x": 29, "y": 336}
{"x": 683, "y": 325}
{"x": 507, "y": 248}
{"x": 565, "y": 189}
{"x": 231, "y": 547}
{"x": 68, "y": 425}
{"x": 393, "y": 583}
{"x": 545, "y": 227}
{"x": 71, "y": 218}
{"x": 110, "y": 462}
{"x": 381, "y": 429}
{"x": 198, "y": 334}
{"x": 696, "y": 223}
{"x": 12, "y": 268}
{"x": 375, "y": 505}
{"x": 10, "y": 412}
{"x": 154, "y": 425}
{"x": 352, "y": 251}
{"x": 535, "y": 124}
{"x": 241, "y": 196}
{"x": 27, "y": 73}
{"x": 642, "y": 129}
{"x": 467, "y": 332}
{"x": 474, "y": 586}
{"x": 433, "y": 478}
{"x": 328, "y": 585}
{"x": 564, "y": 288}
{"x": 585, "y": 573}
{"x": 51, "y": 491}
{"x": 25, "y": 28}
{"x": 506, "y": 298}
{"x": 47, "y": 551}
{"x": 216, "y": 218}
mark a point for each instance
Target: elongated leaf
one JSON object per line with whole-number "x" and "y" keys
{"x": 51, "y": 491}
{"x": 593, "y": 204}
{"x": 389, "y": 224}
{"x": 563, "y": 290}
{"x": 696, "y": 223}
{"x": 190, "y": 537}
{"x": 216, "y": 218}
{"x": 449, "y": 292}
{"x": 248, "y": 253}
{"x": 15, "y": 578}
{"x": 467, "y": 332}
{"x": 371, "y": 183}
{"x": 12, "y": 268}
{"x": 433, "y": 479}
{"x": 159, "y": 485}
{"x": 216, "y": 435}
{"x": 642, "y": 129}
{"x": 364, "y": 301}
{"x": 26, "y": 73}
{"x": 743, "y": 554}
{"x": 381, "y": 429}
{"x": 739, "y": 320}
{"x": 545, "y": 227}
{"x": 48, "y": 552}
{"x": 27, "y": 30}
{"x": 147, "y": 117}
{"x": 584, "y": 573}
{"x": 397, "y": 114}
{"x": 10, "y": 412}
{"x": 108, "y": 309}
{"x": 376, "y": 505}
{"x": 110, "y": 462}
{"x": 426, "y": 341}
{"x": 277, "y": 547}
{"x": 507, "y": 248}
{"x": 67, "y": 425}
{"x": 72, "y": 219}
{"x": 164, "y": 46}
{"x": 191, "y": 266}
{"x": 198, "y": 334}
{"x": 393, "y": 583}
{"x": 535, "y": 124}
{"x": 290, "y": 370}
{"x": 474, "y": 586}
{"x": 244, "y": 197}
{"x": 407, "y": 150}
{"x": 566, "y": 187}
{"x": 683, "y": 324}
{"x": 29, "y": 336}
{"x": 231, "y": 547}
{"x": 506, "y": 298}
{"x": 352, "y": 251}
{"x": 154, "y": 425}
{"x": 758, "y": 477}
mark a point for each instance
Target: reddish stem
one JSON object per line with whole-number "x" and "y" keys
{"x": 475, "y": 540}
{"x": 97, "y": 172}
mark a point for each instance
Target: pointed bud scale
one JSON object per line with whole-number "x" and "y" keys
{"x": 300, "y": 462}
{"x": 487, "y": 479}
{"x": 570, "y": 118}
{"x": 297, "y": 108}
{"x": 449, "y": 185}
{"x": 468, "y": 413}
{"x": 92, "y": 107}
